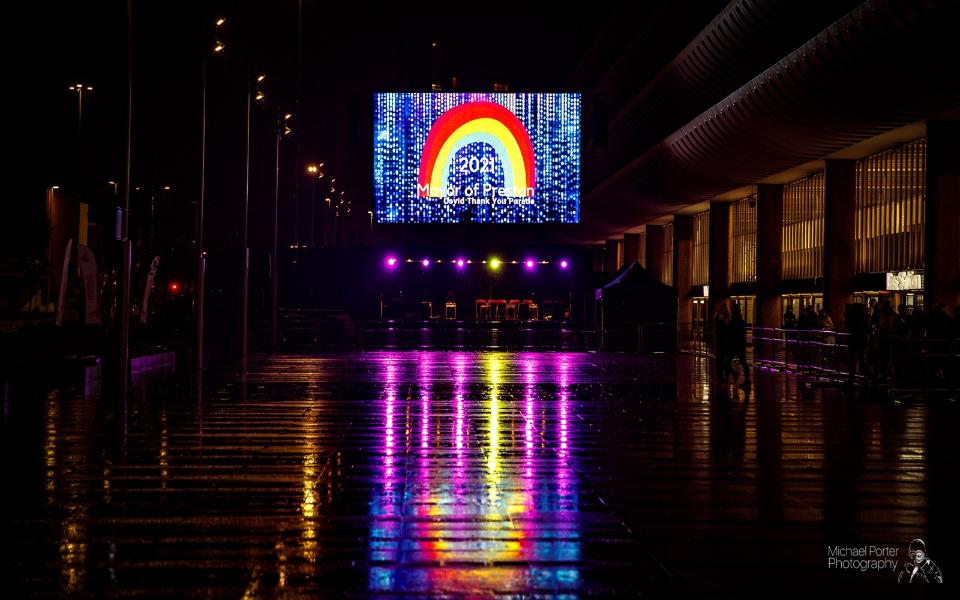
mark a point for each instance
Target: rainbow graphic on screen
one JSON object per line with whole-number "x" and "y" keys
{"x": 472, "y": 122}
{"x": 476, "y": 157}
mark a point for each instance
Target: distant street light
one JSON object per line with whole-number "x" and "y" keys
{"x": 80, "y": 88}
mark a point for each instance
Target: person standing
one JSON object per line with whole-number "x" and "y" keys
{"x": 789, "y": 319}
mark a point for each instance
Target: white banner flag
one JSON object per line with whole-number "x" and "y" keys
{"x": 148, "y": 288}
{"x": 63, "y": 282}
{"x": 88, "y": 275}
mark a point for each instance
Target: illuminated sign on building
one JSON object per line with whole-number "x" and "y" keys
{"x": 904, "y": 280}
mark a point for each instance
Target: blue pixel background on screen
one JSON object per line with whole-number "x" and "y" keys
{"x": 481, "y": 158}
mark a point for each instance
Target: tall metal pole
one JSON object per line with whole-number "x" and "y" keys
{"x": 126, "y": 249}
{"x": 313, "y": 211}
{"x": 201, "y": 253}
{"x": 245, "y": 292}
{"x": 274, "y": 262}
{"x": 79, "y": 109}
{"x": 296, "y": 220}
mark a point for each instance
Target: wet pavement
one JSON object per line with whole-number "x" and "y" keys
{"x": 466, "y": 473}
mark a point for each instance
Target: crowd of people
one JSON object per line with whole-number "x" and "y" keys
{"x": 878, "y": 333}
{"x": 874, "y": 335}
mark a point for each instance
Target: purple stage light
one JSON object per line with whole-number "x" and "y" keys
{"x": 529, "y": 264}
{"x": 425, "y": 263}
{"x": 460, "y": 263}
{"x": 391, "y": 262}
{"x": 564, "y": 264}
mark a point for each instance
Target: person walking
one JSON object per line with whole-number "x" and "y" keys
{"x": 857, "y": 324}
{"x": 737, "y": 332}
{"x": 721, "y": 341}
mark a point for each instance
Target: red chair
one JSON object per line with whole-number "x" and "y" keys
{"x": 513, "y": 310}
{"x": 499, "y": 308}
{"x": 533, "y": 310}
{"x": 483, "y": 309}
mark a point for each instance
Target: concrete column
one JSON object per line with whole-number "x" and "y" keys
{"x": 611, "y": 256}
{"x": 654, "y": 252}
{"x": 839, "y": 232}
{"x": 683, "y": 265}
{"x": 942, "y": 218}
{"x": 720, "y": 236}
{"x": 596, "y": 258}
{"x": 769, "y": 253}
{"x": 631, "y": 248}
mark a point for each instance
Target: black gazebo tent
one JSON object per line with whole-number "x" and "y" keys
{"x": 635, "y": 311}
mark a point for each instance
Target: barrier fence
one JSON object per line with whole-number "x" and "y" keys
{"x": 905, "y": 364}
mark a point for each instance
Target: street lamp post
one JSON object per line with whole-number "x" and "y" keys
{"x": 326, "y": 223}
{"x": 313, "y": 214}
{"x": 79, "y": 88}
{"x": 126, "y": 250}
{"x": 245, "y": 283}
{"x": 200, "y": 284}
{"x": 282, "y": 130}
{"x": 312, "y": 174}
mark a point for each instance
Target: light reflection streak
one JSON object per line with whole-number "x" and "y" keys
{"x": 424, "y": 380}
{"x": 503, "y": 506}
{"x": 309, "y": 505}
{"x": 164, "y": 459}
{"x": 458, "y": 391}
{"x": 391, "y": 400}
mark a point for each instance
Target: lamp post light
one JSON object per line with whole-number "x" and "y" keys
{"x": 79, "y": 89}
{"x": 326, "y": 224}
{"x": 314, "y": 172}
{"x": 245, "y": 281}
{"x": 200, "y": 284}
{"x": 126, "y": 248}
{"x": 283, "y": 129}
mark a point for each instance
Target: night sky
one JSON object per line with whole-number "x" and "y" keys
{"x": 347, "y": 54}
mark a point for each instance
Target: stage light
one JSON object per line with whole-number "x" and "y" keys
{"x": 529, "y": 264}
{"x": 494, "y": 263}
{"x": 391, "y": 262}
{"x": 173, "y": 286}
{"x": 564, "y": 264}
{"x": 460, "y": 263}
{"x": 425, "y": 263}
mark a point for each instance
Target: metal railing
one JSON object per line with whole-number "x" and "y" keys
{"x": 903, "y": 364}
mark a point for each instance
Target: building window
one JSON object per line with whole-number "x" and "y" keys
{"x": 700, "y": 274}
{"x": 802, "y": 255}
{"x": 743, "y": 263}
{"x": 891, "y": 192}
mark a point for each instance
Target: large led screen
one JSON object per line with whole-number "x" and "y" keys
{"x": 480, "y": 158}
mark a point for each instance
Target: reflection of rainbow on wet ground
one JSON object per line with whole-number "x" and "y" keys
{"x": 476, "y": 488}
